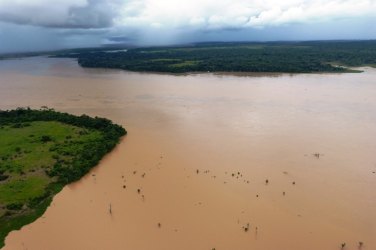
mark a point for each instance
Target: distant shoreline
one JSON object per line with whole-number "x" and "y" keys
{"x": 271, "y": 57}
{"x": 248, "y": 58}
{"x": 357, "y": 69}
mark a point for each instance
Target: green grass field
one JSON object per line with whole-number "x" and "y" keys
{"x": 37, "y": 158}
{"x": 25, "y": 157}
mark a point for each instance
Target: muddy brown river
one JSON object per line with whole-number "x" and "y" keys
{"x": 200, "y": 148}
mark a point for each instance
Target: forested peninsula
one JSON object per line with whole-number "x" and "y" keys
{"x": 40, "y": 152}
{"x": 287, "y": 57}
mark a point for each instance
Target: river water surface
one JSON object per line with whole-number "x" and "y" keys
{"x": 200, "y": 149}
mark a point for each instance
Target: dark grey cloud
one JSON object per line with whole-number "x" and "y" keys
{"x": 26, "y": 38}
{"x": 16, "y": 38}
{"x": 83, "y": 14}
{"x": 96, "y": 14}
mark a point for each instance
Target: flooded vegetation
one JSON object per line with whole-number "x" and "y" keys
{"x": 211, "y": 161}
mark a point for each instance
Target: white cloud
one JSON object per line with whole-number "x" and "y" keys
{"x": 173, "y": 14}
{"x": 214, "y": 14}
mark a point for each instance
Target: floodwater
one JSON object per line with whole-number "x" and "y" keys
{"x": 312, "y": 136}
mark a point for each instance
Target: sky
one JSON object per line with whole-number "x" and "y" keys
{"x": 37, "y": 25}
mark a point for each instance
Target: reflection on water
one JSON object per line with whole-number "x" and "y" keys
{"x": 192, "y": 172}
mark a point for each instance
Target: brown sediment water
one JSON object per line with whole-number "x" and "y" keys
{"x": 301, "y": 149}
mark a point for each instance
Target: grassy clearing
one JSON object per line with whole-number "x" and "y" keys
{"x": 184, "y": 64}
{"x": 165, "y": 60}
{"x": 40, "y": 152}
{"x": 18, "y": 191}
{"x": 194, "y": 49}
{"x": 21, "y": 149}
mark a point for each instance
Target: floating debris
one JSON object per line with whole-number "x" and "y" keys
{"x": 317, "y": 155}
{"x": 246, "y": 228}
{"x": 360, "y": 244}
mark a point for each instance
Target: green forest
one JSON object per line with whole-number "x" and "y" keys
{"x": 40, "y": 152}
{"x": 289, "y": 57}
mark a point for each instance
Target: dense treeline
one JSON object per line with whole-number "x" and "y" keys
{"x": 294, "y": 57}
{"x": 81, "y": 160}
